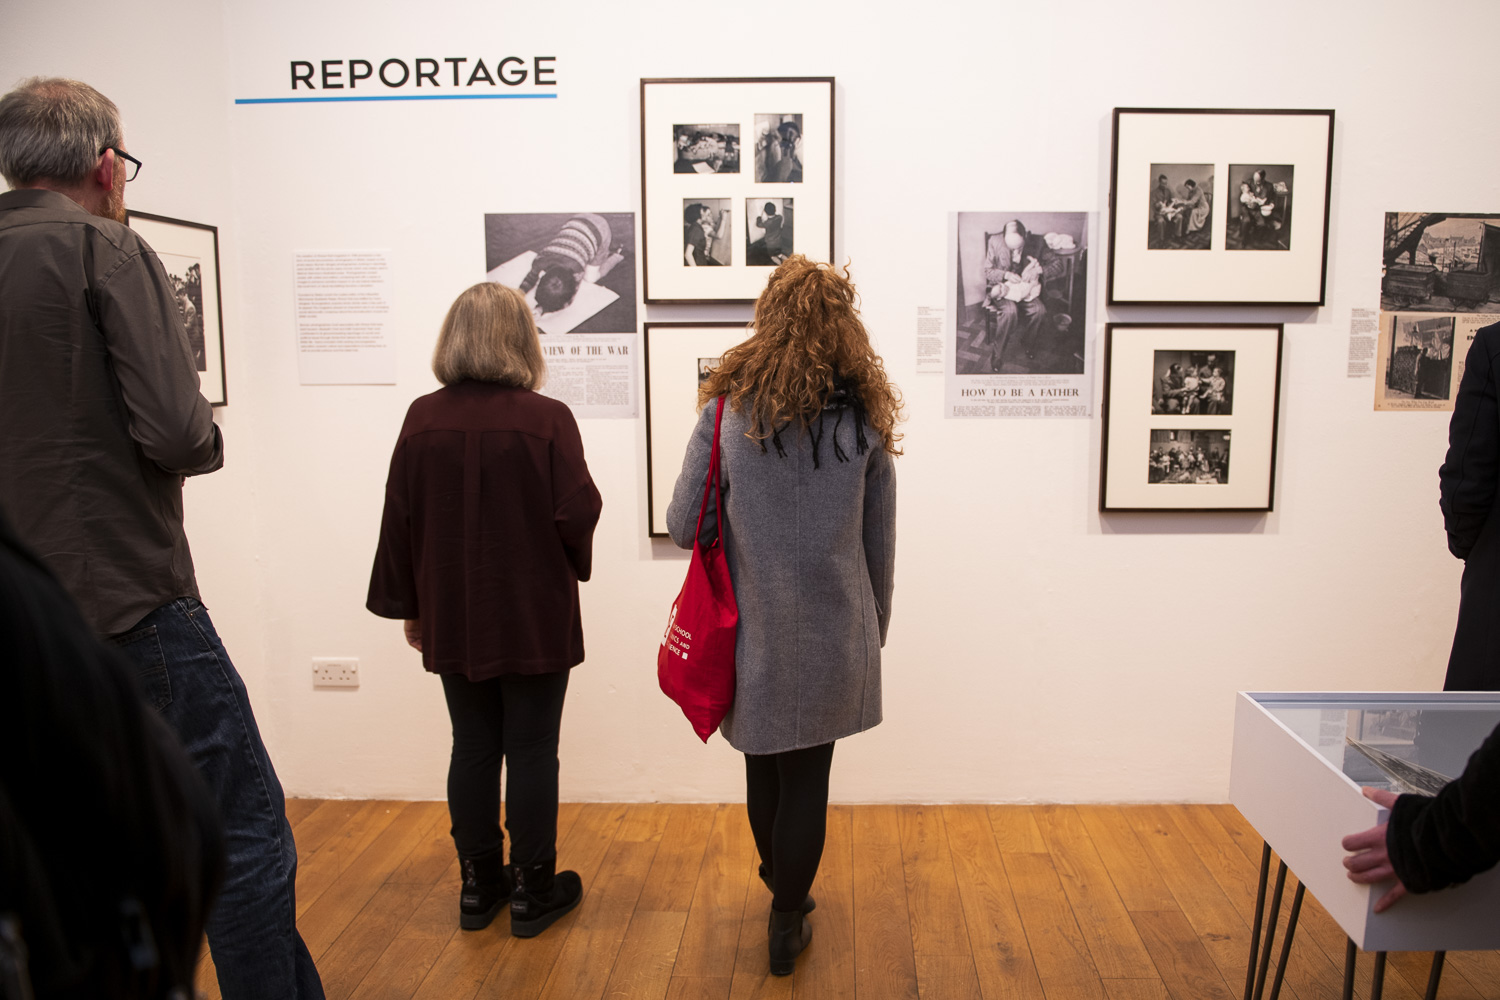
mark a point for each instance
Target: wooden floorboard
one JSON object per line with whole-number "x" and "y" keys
{"x": 914, "y": 902}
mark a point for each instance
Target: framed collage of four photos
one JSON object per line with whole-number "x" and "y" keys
{"x": 1190, "y": 414}
{"x": 1219, "y": 207}
{"x": 678, "y": 357}
{"x": 736, "y": 175}
{"x": 189, "y": 251}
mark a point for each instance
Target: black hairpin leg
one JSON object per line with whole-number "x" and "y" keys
{"x": 1377, "y": 986}
{"x": 1349, "y": 952}
{"x": 1270, "y": 939}
{"x": 1286, "y": 944}
{"x": 1435, "y": 975}
{"x": 1260, "y": 912}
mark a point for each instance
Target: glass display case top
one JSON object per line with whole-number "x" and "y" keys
{"x": 1405, "y": 746}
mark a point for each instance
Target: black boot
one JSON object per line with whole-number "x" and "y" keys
{"x": 540, "y": 897}
{"x": 789, "y": 935}
{"x": 487, "y": 885}
{"x": 808, "y": 905}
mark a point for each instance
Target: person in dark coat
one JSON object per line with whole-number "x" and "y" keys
{"x": 111, "y": 847}
{"x": 809, "y": 494}
{"x": 1432, "y": 842}
{"x": 488, "y": 529}
{"x": 1470, "y": 491}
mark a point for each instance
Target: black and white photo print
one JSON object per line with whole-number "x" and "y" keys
{"x": 707, "y": 232}
{"x": 1260, "y": 216}
{"x": 1193, "y": 382}
{"x": 768, "y": 231}
{"x": 1189, "y": 457}
{"x": 1182, "y": 196}
{"x": 574, "y": 268}
{"x": 706, "y": 149}
{"x": 778, "y": 149}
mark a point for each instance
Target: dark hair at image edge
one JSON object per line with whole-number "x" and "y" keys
{"x": 807, "y": 331}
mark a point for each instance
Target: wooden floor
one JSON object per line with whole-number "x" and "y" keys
{"x": 929, "y": 902}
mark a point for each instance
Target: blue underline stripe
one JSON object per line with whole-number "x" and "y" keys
{"x": 394, "y": 97}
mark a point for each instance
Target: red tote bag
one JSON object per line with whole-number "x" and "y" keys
{"x": 695, "y": 665}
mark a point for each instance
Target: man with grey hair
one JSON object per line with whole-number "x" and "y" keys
{"x": 102, "y": 421}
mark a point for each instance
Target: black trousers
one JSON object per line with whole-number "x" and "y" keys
{"x": 786, "y": 795}
{"x": 515, "y": 719}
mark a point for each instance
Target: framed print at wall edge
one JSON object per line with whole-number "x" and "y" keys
{"x": 1190, "y": 416}
{"x": 190, "y": 253}
{"x": 1224, "y": 207}
{"x": 736, "y": 174}
{"x": 678, "y": 357}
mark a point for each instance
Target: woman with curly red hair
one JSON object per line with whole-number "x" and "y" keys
{"x": 809, "y": 495}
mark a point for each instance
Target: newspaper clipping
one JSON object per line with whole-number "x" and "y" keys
{"x": 577, "y": 271}
{"x": 1441, "y": 284}
{"x": 1019, "y": 315}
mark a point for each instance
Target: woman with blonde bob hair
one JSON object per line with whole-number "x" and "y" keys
{"x": 809, "y": 495}
{"x": 488, "y": 529}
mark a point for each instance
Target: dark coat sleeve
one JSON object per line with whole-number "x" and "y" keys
{"x": 1435, "y": 842}
{"x": 393, "y": 580}
{"x": 1469, "y": 474}
{"x": 148, "y": 347}
{"x": 577, "y": 502}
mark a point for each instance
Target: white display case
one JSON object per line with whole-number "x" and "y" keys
{"x": 1296, "y": 777}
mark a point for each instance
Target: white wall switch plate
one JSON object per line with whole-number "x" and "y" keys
{"x": 335, "y": 671}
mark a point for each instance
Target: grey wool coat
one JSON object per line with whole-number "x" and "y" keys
{"x": 811, "y": 552}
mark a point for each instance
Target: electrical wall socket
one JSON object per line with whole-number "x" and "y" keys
{"x": 335, "y": 671}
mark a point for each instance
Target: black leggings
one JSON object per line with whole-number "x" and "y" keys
{"x": 515, "y": 718}
{"x": 786, "y": 795}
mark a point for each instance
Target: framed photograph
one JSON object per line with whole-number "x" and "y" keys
{"x": 678, "y": 357}
{"x": 1219, "y": 207}
{"x": 736, "y": 174}
{"x": 1190, "y": 414}
{"x": 190, "y": 253}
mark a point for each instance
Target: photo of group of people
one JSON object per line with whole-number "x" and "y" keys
{"x": 708, "y": 231}
{"x": 1189, "y": 457}
{"x": 1193, "y": 382}
{"x": 1182, "y": 204}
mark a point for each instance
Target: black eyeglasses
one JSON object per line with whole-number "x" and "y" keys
{"x": 134, "y": 166}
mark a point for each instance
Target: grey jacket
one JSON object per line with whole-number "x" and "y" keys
{"x": 812, "y": 555}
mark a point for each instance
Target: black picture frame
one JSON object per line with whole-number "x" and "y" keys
{"x": 1235, "y": 435}
{"x": 671, "y": 402}
{"x": 729, "y": 110}
{"x": 1276, "y": 251}
{"x": 180, "y": 245}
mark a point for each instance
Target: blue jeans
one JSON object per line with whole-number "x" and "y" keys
{"x": 252, "y": 930}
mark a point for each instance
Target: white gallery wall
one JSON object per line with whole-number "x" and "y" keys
{"x": 1038, "y": 650}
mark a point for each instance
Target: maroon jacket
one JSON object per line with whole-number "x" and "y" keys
{"x": 488, "y": 527}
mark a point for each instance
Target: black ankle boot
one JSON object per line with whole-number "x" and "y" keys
{"x": 540, "y": 897}
{"x": 789, "y": 935}
{"x": 487, "y": 886}
{"x": 808, "y": 905}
